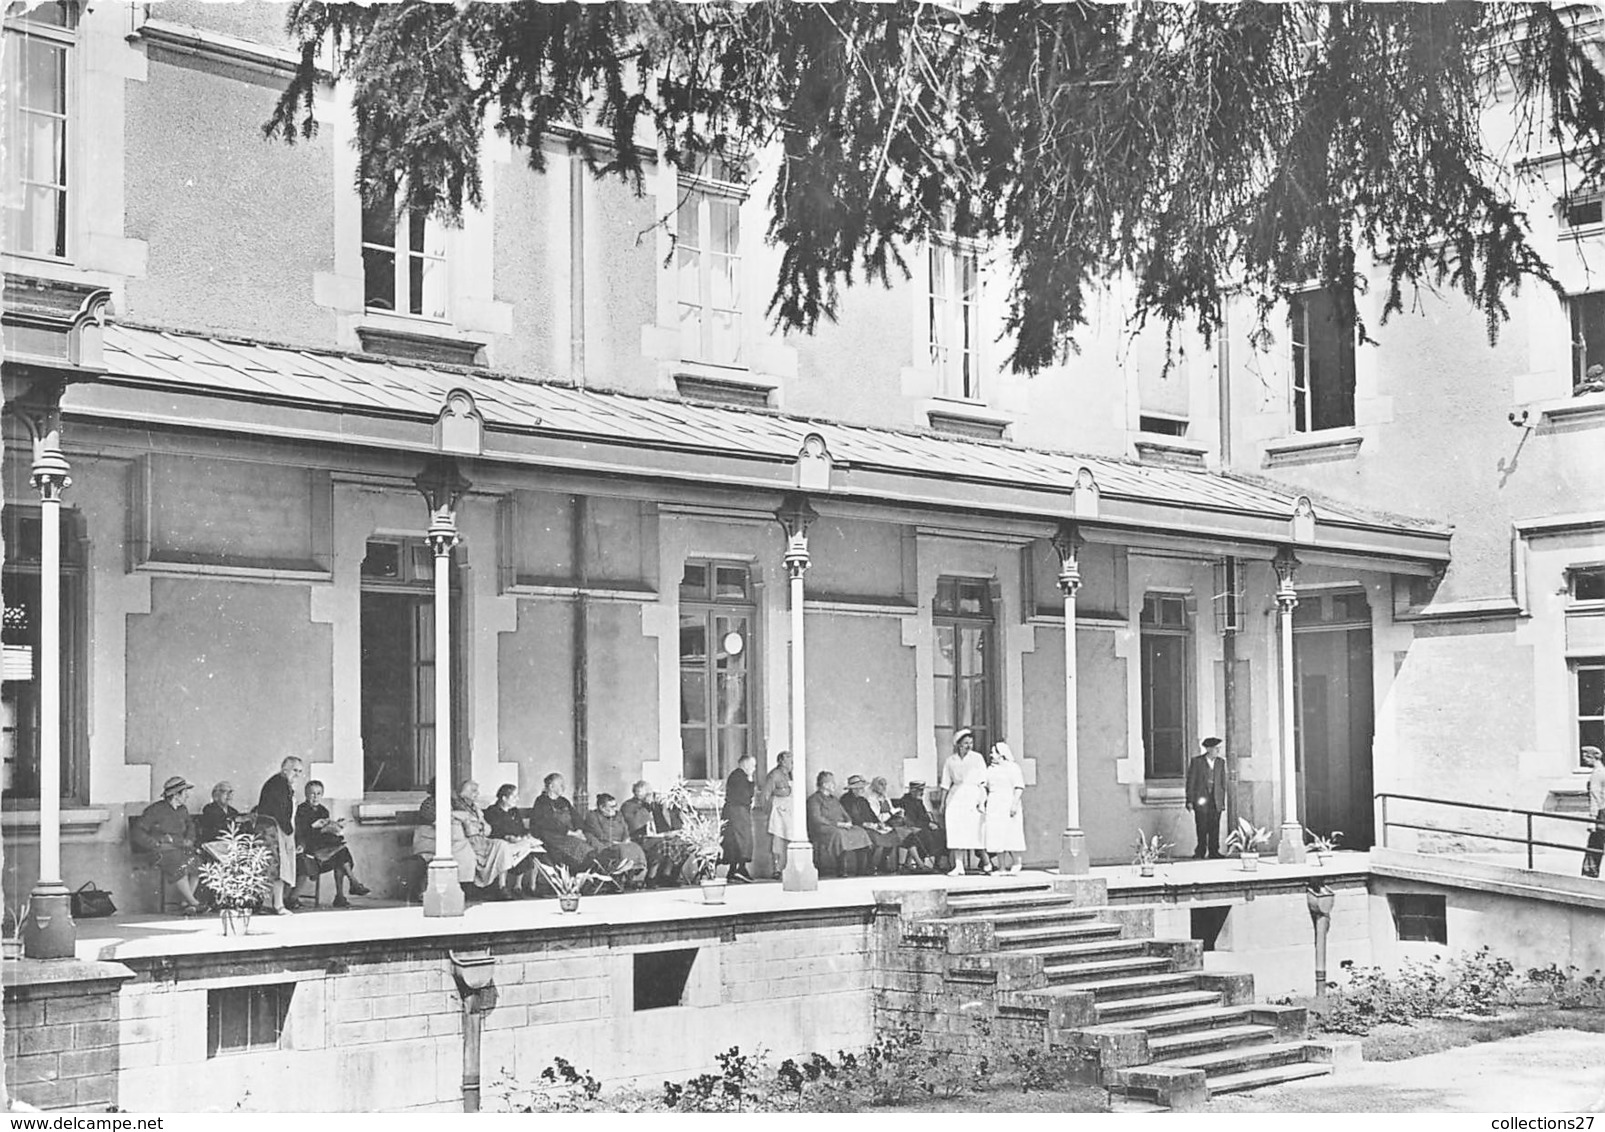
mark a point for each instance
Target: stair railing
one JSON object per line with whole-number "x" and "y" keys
{"x": 1385, "y": 823}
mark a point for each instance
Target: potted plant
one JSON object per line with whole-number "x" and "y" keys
{"x": 1323, "y": 847}
{"x": 1246, "y": 841}
{"x": 1150, "y": 851}
{"x": 568, "y": 886}
{"x": 237, "y": 877}
{"x": 703, "y": 838}
{"x": 15, "y": 917}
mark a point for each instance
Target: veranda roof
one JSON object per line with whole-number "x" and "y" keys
{"x": 165, "y": 377}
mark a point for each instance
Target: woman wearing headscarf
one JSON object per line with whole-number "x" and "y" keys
{"x": 1005, "y": 813}
{"x": 963, "y": 807}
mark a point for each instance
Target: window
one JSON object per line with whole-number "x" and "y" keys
{"x": 954, "y": 323}
{"x": 1588, "y": 336}
{"x": 19, "y": 691}
{"x": 1587, "y": 583}
{"x": 707, "y": 256}
{"x": 716, "y": 676}
{"x": 398, "y": 667}
{"x": 403, "y": 260}
{"x": 1590, "y": 678}
{"x": 1167, "y": 648}
{"x": 1323, "y": 363}
{"x": 965, "y": 622}
{"x": 1419, "y": 917}
{"x": 1207, "y": 924}
{"x": 239, "y": 1019}
{"x": 661, "y": 977}
{"x": 38, "y": 51}
{"x": 1582, "y": 212}
{"x": 1162, "y": 426}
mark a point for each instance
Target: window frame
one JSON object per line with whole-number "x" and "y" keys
{"x": 710, "y": 606}
{"x": 1303, "y": 396}
{"x": 1187, "y": 633}
{"x": 956, "y": 314}
{"x": 65, "y": 36}
{"x": 247, "y": 996}
{"x": 1578, "y": 200}
{"x": 402, "y": 254}
{"x": 1426, "y": 914}
{"x": 1576, "y": 666}
{"x": 1577, "y": 332}
{"x": 992, "y": 729}
{"x": 701, "y": 187}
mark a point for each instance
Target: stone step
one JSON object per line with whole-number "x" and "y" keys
{"x": 1008, "y": 901}
{"x": 1257, "y": 1078}
{"x": 1092, "y": 950}
{"x": 1079, "y": 931}
{"x": 1196, "y": 1020}
{"x": 1034, "y": 917}
{"x": 1134, "y": 1010}
{"x": 1081, "y": 971}
{"x": 1243, "y": 1058}
{"x": 1187, "y": 1043}
{"x": 1132, "y": 986}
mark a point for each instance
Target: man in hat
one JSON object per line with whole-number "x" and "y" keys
{"x": 924, "y": 842}
{"x": 883, "y": 839}
{"x": 1206, "y": 795}
{"x": 837, "y": 841}
{"x": 166, "y": 832}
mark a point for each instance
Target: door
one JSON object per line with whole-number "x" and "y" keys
{"x": 1334, "y": 714}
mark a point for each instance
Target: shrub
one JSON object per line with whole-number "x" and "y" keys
{"x": 1565, "y": 988}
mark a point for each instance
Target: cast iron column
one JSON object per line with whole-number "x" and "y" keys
{"x": 800, "y": 875}
{"x": 442, "y": 485}
{"x": 1073, "y": 842}
{"x": 1291, "y": 848}
{"x": 49, "y": 932}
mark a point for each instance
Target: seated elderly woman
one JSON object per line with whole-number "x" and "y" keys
{"x": 482, "y": 860}
{"x": 217, "y": 817}
{"x": 166, "y": 833}
{"x": 322, "y": 845}
{"x": 652, "y": 826}
{"x": 553, "y": 820}
{"x": 507, "y": 824}
{"x": 838, "y": 843}
{"x": 884, "y": 841}
{"x": 609, "y": 837}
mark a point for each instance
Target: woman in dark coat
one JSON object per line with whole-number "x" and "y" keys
{"x": 166, "y": 831}
{"x": 739, "y": 790}
{"x": 552, "y": 819}
{"x": 322, "y": 845}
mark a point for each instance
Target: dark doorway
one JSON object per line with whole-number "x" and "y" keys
{"x": 1334, "y": 714}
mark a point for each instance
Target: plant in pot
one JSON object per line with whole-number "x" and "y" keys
{"x": 1150, "y": 851}
{"x": 15, "y": 916}
{"x": 703, "y": 839}
{"x": 1323, "y": 847}
{"x": 237, "y": 877}
{"x": 568, "y": 886}
{"x": 1246, "y": 841}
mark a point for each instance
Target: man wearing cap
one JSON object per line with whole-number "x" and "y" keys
{"x": 883, "y": 839}
{"x": 166, "y": 831}
{"x": 1206, "y": 794}
{"x": 1596, "y": 806}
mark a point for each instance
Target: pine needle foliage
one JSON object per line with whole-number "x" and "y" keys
{"x": 1199, "y": 150}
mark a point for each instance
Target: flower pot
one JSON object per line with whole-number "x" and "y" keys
{"x": 1250, "y": 862}
{"x": 12, "y": 948}
{"x": 713, "y": 891}
{"x": 236, "y": 921}
{"x": 569, "y": 903}
{"x": 1145, "y": 870}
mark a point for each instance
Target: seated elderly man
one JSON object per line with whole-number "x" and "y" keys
{"x": 924, "y": 842}
{"x": 838, "y": 843}
{"x": 552, "y": 819}
{"x": 651, "y": 827}
{"x": 217, "y": 817}
{"x": 883, "y": 839}
{"x": 609, "y": 838}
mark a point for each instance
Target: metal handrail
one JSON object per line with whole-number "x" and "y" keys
{"x": 1529, "y": 815}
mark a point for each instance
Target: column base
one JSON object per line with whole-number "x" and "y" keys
{"x": 1073, "y": 859}
{"x": 800, "y": 874}
{"x": 443, "y": 896}
{"x": 49, "y": 932}
{"x": 1291, "y": 849}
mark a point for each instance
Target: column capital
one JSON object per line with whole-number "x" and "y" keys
{"x": 795, "y": 516}
{"x": 442, "y": 484}
{"x": 1286, "y": 564}
{"x": 1067, "y": 543}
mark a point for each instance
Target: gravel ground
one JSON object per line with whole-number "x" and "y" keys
{"x": 1546, "y": 1072}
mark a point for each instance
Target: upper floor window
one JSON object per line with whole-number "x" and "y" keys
{"x": 1323, "y": 363}
{"x": 403, "y": 260}
{"x": 38, "y": 49}
{"x": 707, "y": 257}
{"x": 1583, "y": 211}
{"x": 954, "y": 310}
{"x": 1588, "y": 341}
{"x": 1587, "y": 583}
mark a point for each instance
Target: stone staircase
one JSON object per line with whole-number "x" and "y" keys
{"x": 1165, "y": 1031}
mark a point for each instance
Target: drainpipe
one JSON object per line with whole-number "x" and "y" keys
{"x": 1223, "y": 389}
{"x": 475, "y": 973}
{"x": 1228, "y": 656}
{"x": 582, "y": 651}
{"x": 576, "y": 269}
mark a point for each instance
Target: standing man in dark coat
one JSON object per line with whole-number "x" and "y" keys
{"x": 1206, "y": 795}
{"x": 739, "y": 790}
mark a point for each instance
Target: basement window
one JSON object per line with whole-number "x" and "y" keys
{"x": 244, "y": 1019}
{"x": 1162, "y": 426}
{"x": 1419, "y": 917}
{"x": 1207, "y": 924}
{"x": 661, "y": 977}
